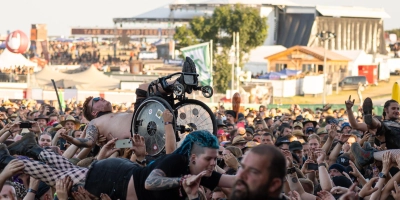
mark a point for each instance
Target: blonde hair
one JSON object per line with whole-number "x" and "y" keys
{"x": 314, "y": 136}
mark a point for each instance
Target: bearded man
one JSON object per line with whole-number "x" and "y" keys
{"x": 261, "y": 174}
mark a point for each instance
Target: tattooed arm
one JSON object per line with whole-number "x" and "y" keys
{"x": 89, "y": 141}
{"x": 157, "y": 181}
{"x": 295, "y": 185}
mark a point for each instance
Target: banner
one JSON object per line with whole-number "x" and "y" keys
{"x": 200, "y": 55}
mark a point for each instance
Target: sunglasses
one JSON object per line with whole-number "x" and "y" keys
{"x": 96, "y": 99}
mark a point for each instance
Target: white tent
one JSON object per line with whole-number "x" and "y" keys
{"x": 94, "y": 79}
{"x": 8, "y": 59}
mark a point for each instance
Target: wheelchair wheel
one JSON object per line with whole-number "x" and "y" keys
{"x": 148, "y": 122}
{"x": 196, "y": 115}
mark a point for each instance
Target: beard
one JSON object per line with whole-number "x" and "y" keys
{"x": 258, "y": 194}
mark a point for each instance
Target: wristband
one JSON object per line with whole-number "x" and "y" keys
{"x": 166, "y": 123}
{"x": 322, "y": 164}
{"x": 143, "y": 162}
{"x": 383, "y": 142}
{"x": 291, "y": 170}
{"x": 341, "y": 142}
{"x": 32, "y": 190}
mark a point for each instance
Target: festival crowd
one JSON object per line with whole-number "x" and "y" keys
{"x": 296, "y": 154}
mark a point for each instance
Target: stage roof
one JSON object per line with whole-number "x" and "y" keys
{"x": 185, "y": 11}
{"x": 348, "y": 11}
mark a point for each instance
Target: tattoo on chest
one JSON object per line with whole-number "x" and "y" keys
{"x": 294, "y": 180}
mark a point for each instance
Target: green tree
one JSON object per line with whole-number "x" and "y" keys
{"x": 124, "y": 39}
{"x": 220, "y": 27}
{"x": 395, "y": 31}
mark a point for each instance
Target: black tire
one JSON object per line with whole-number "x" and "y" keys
{"x": 150, "y": 124}
{"x": 207, "y": 110}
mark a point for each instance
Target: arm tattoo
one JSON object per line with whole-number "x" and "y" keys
{"x": 91, "y": 136}
{"x": 157, "y": 181}
{"x": 294, "y": 180}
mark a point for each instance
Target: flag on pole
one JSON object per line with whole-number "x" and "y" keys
{"x": 200, "y": 54}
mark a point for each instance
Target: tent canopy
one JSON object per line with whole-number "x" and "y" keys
{"x": 290, "y": 72}
{"x": 88, "y": 79}
{"x": 8, "y": 59}
{"x": 273, "y": 76}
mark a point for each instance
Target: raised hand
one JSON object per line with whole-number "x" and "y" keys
{"x": 14, "y": 167}
{"x": 325, "y": 195}
{"x": 339, "y": 190}
{"x": 63, "y": 186}
{"x": 191, "y": 183}
{"x": 304, "y": 168}
{"x": 294, "y": 195}
{"x": 139, "y": 146}
{"x": 107, "y": 150}
{"x": 231, "y": 161}
{"x": 367, "y": 189}
{"x": 344, "y": 137}
{"x": 349, "y": 104}
{"x": 386, "y": 160}
{"x": 355, "y": 171}
{"x": 167, "y": 116}
{"x": 289, "y": 158}
{"x": 396, "y": 191}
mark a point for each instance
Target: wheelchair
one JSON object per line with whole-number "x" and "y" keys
{"x": 189, "y": 114}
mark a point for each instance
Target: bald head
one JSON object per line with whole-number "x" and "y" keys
{"x": 276, "y": 160}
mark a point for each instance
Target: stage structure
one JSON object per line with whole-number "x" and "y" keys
{"x": 289, "y": 24}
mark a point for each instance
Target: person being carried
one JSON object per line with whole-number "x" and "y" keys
{"x": 118, "y": 125}
{"x": 386, "y": 131}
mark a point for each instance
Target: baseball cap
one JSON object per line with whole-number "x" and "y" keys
{"x": 338, "y": 167}
{"x": 321, "y": 131}
{"x": 295, "y": 145}
{"x": 299, "y": 118}
{"x": 299, "y": 124}
{"x": 344, "y": 124}
{"x": 310, "y": 129}
{"x": 343, "y": 160}
{"x": 282, "y": 140}
{"x": 249, "y": 130}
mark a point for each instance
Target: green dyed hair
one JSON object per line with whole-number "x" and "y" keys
{"x": 201, "y": 138}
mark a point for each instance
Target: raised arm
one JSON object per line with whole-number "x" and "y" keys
{"x": 157, "y": 180}
{"x": 89, "y": 141}
{"x": 349, "y": 109}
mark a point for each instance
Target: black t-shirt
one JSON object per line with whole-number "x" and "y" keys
{"x": 173, "y": 165}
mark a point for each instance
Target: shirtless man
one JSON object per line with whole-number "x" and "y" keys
{"x": 118, "y": 125}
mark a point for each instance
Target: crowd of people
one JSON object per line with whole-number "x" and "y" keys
{"x": 296, "y": 154}
{"x": 74, "y": 53}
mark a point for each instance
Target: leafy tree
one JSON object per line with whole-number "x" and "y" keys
{"x": 395, "y": 31}
{"x": 222, "y": 71}
{"x": 124, "y": 39}
{"x": 219, "y": 27}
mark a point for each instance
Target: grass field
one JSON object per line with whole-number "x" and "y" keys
{"x": 382, "y": 91}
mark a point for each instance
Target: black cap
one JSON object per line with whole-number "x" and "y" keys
{"x": 295, "y": 145}
{"x": 299, "y": 118}
{"x": 343, "y": 160}
{"x": 282, "y": 140}
{"x": 250, "y": 130}
{"x": 231, "y": 112}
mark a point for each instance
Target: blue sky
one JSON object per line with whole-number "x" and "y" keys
{"x": 61, "y": 15}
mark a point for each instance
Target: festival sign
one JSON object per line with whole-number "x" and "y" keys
{"x": 110, "y": 31}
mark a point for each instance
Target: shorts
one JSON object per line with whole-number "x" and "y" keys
{"x": 110, "y": 176}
